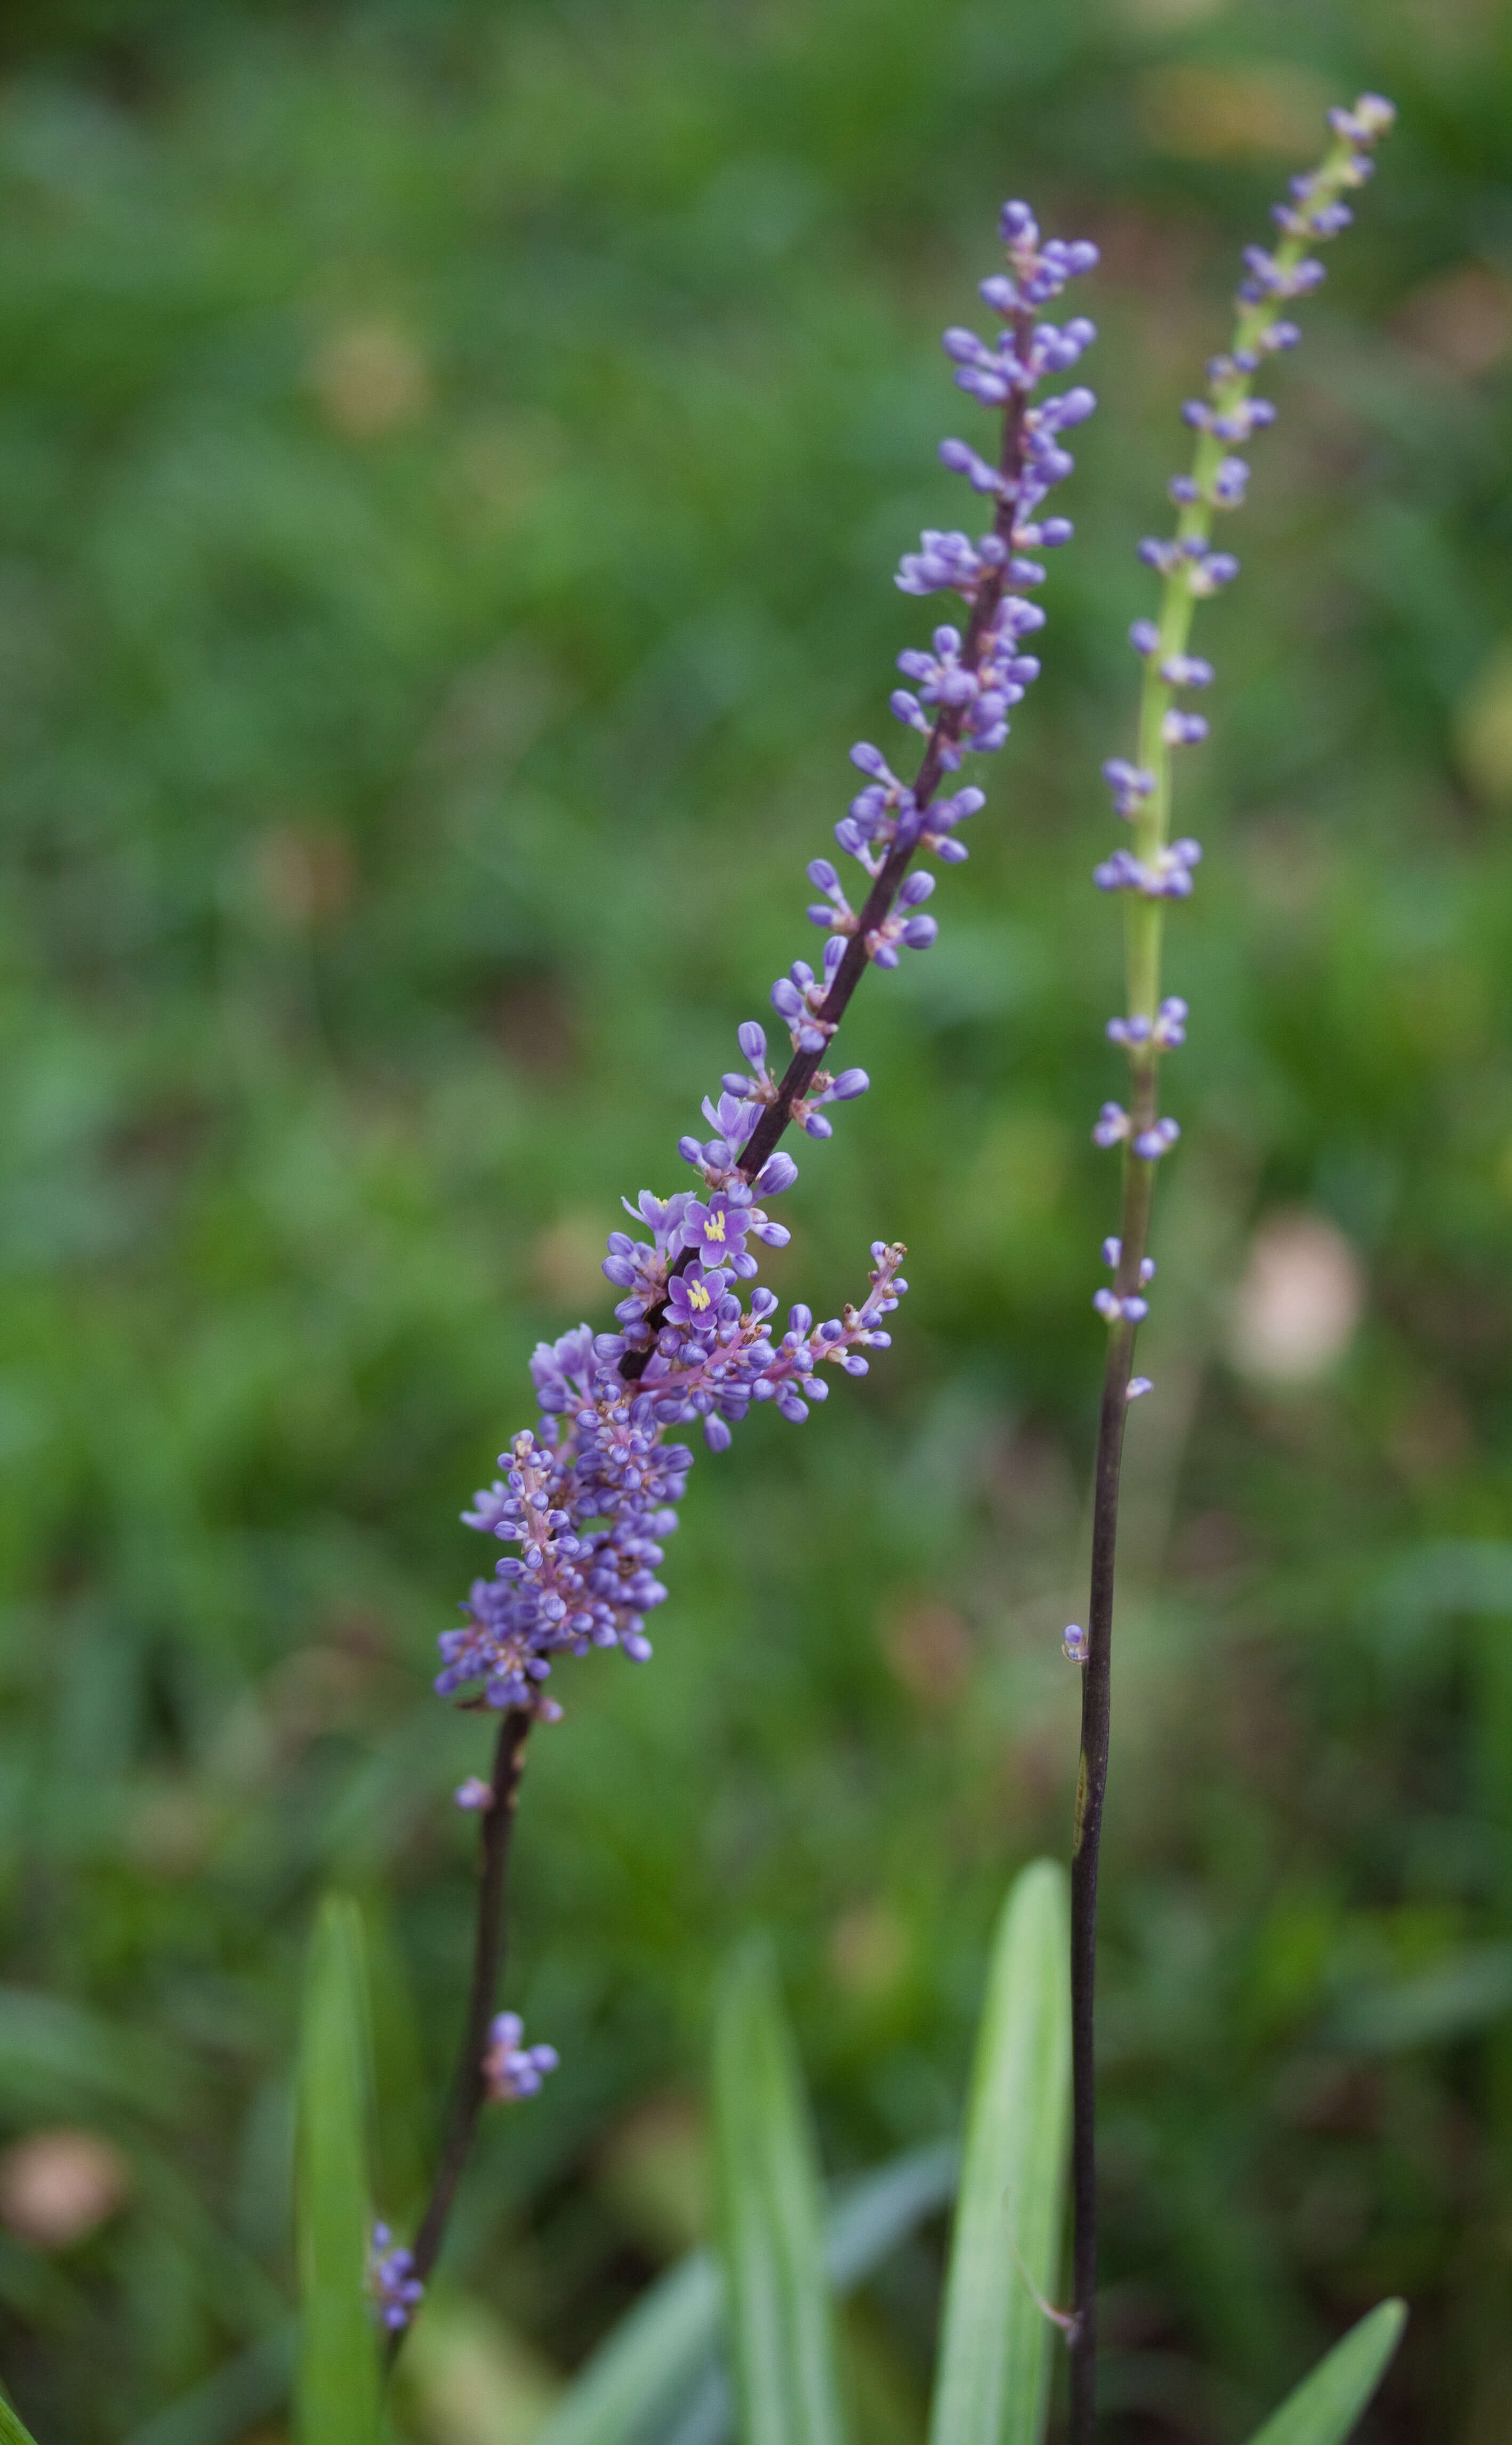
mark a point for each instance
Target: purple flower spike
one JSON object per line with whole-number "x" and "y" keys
{"x": 588, "y": 1498}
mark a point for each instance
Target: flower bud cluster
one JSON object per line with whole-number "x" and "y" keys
{"x": 1167, "y": 875}
{"x": 395, "y": 2289}
{"x": 1115, "y": 1127}
{"x": 510, "y": 2068}
{"x": 590, "y": 1496}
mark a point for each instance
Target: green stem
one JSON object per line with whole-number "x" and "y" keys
{"x": 1144, "y": 944}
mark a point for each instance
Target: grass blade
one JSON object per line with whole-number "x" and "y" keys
{"x": 337, "y": 2396}
{"x": 658, "y": 2365}
{"x": 645, "y": 2369}
{"x": 771, "y": 2219}
{"x": 11, "y": 2431}
{"x": 993, "y": 2385}
{"x": 1324, "y": 2408}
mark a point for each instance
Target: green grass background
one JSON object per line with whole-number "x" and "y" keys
{"x": 452, "y": 465}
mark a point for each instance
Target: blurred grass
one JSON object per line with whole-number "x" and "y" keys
{"x": 452, "y": 462}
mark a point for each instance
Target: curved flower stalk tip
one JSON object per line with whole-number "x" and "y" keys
{"x": 589, "y": 1494}
{"x": 1152, "y": 872}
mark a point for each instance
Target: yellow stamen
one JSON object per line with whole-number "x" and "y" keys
{"x": 698, "y": 1295}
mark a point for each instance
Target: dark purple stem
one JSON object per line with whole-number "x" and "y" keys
{"x": 470, "y": 2087}
{"x": 1091, "y": 1780}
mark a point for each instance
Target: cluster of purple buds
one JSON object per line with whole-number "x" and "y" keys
{"x": 396, "y": 2289}
{"x": 982, "y": 695}
{"x": 886, "y": 815}
{"x": 1231, "y": 478}
{"x": 1206, "y": 569}
{"x": 1166, "y": 1030}
{"x": 591, "y": 1495}
{"x": 1132, "y": 1309}
{"x": 1166, "y": 876}
{"x": 1114, "y": 1126}
{"x": 510, "y": 2068}
{"x": 901, "y": 926}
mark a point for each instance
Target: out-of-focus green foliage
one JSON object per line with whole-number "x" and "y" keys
{"x": 337, "y": 2384}
{"x": 452, "y": 462}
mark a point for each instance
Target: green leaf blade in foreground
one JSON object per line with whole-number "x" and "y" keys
{"x": 663, "y": 2357}
{"x": 338, "y": 2389}
{"x": 771, "y": 2219}
{"x": 993, "y": 2386}
{"x": 11, "y": 2430}
{"x": 1325, "y": 2407}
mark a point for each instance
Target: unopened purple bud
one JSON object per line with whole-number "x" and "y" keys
{"x": 918, "y": 887}
{"x": 920, "y": 932}
{"x": 1186, "y": 670}
{"x": 1145, "y": 637}
{"x": 716, "y": 1434}
{"x": 1073, "y": 1642}
{"x": 849, "y": 1082}
{"x": 1154, "y": 1142}
{"x": 1137, "y": 1387}
{"x": 779, "y": 1172}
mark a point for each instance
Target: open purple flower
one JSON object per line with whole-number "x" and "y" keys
{"x": 716, "y": 1229}
{"x": 694, "y": 1298}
